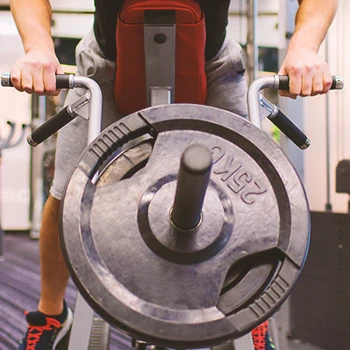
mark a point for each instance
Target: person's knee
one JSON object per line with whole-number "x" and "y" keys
{"x": 50, "y": 219}
{"x": 52, "y": 206}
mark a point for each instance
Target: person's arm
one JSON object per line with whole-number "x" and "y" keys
{"x": 308, "y": 73}
{"x": 35, "y": 72}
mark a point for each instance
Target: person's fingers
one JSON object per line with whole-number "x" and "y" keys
{"x": 284, "y": 93}
{"x": 27, "y": 81}
{"x": 327, "y": 81}
{"x": 59, "y": 70}
{"x": 16, "y": 77}
{"x": 38, "y": 84}
{"x": 49, "y": 79}
{"x": 317, "y": 84}
{"x": 307, "y": 75}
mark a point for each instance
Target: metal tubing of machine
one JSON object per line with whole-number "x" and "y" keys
{"x": 192, "y": 183}
{"x": 95, "y": 105}
{"x": 252, "y": 43}
{"x": 253, "y": 97}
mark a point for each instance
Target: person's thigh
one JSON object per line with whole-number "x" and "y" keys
{"x": 227, "y": 86}
{"x": 72, "y": 139}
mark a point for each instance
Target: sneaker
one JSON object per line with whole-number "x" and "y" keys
{"x": 261, "y": 338}
{"x": 45, "y": 332}
{"x": 269, "y": 343}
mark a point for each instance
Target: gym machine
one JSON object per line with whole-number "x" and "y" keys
{"x": 246, "y": 292}
{"x": 187, "y": 258}
{"x": 6, "y": 143}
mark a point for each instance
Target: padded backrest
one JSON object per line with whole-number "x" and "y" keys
{"x": 190, "y": 78}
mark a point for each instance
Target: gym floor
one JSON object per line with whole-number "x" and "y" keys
{"x": 20, "y": 286}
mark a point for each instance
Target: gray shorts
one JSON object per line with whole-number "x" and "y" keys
{"x": 226, "y": 90}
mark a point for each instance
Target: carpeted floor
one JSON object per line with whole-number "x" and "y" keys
{"x": 19, "y": 291}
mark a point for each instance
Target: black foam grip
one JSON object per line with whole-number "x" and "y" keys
{"x": 284, "y": 82}
{"x": 290, "y": 130}
{"x": 62, "y": 81}
{"x": 51, "y": 126}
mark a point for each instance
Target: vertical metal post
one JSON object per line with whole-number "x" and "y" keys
{"x": 160, "y": 42}
{"x": 81, "y": 329}
{"x": 36, "y": 173}
{"x": 252, "y": 43}
{"x": 84, "y": 315}
{"x": 244, "y": 343}
{"x": 295, "y": 110}
{"x": 328, "y": 206}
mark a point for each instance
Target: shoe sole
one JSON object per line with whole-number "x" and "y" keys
{"x": 65, "y": 329}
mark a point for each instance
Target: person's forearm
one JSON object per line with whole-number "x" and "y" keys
{"x": 312, "y": 22}
{"x": 33, "y": 20}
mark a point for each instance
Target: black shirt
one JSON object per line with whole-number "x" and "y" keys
{"x": 216, "y": 17}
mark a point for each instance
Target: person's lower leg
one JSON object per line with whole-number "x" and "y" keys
{"x": 54, "y": 272}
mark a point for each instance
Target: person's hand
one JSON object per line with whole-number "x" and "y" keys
{"x": 309, "y": 75}
{"x": 35, "y": 72}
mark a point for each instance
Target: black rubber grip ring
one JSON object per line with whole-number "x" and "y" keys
{"x": 51, "y": 126}
{"x": 290, "y": 130}
{"x": 284, "y": 82}
{"x": 62, "y": 81}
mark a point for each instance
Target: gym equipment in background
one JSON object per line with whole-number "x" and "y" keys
{"x": 6, "y": 143}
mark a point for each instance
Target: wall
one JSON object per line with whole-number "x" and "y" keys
{"x": 15, "y": 106}
{"x": 315, "y": 120}
{"x": 268, "y": 22}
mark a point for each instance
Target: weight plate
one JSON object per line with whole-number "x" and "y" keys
{"x": 185, "y": 290}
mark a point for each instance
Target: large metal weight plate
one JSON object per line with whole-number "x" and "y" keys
{"x": 176, "y": 289}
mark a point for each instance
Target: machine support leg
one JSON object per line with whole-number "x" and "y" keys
{"x": 244, "y": 343}
{"x": 82, "y": 324}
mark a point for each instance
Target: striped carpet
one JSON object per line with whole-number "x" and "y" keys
{"x": 19, "y": 291}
